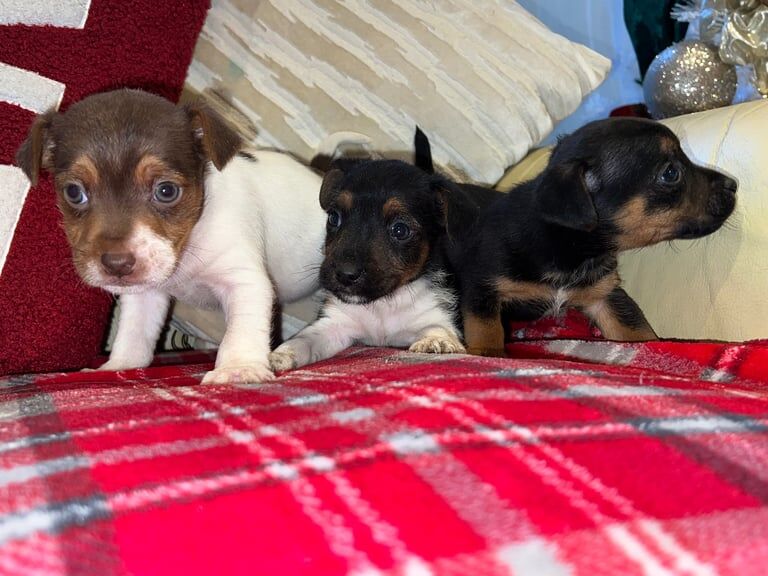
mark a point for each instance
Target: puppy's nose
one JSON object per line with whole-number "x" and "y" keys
{"x": 730, "y": 185}
{"x": 119, "y": 263}
{"x": 721, "y": 205}
{"x": 348, "y": 274}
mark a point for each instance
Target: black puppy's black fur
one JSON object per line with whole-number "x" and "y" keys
{"x": 553, "y": 242}
{"x": 390, "y": 222}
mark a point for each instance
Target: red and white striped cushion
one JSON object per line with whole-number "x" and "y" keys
{"x": 53, "y": 54}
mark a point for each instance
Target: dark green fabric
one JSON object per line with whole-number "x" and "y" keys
{"x": 651, "y": 28}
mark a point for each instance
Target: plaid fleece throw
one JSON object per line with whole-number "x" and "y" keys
{"x": 571, "y": 457}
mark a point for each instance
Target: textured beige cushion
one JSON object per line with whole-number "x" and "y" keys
{"x": 714, "y": 287}
{"x": 527, "y": 169}
{"x": 484, "y": 79}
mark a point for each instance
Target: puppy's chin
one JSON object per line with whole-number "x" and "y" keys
{"x": 348, "y": 294}
{"x": 362, "y": 294}
{"x": 698, "y": 229}
{"x": 351, "y": 298}
{"x": 366, "y": 290}
{"x": 119, "y": 290}
{"x": 132, "y": 284}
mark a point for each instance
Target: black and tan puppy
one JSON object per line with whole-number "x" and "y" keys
{"x": 552, "y": 242}
{"x": 390, "y": 227}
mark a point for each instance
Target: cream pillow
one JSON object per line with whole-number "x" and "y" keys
{"x": 715, "y": 287}
{"x": 485, "y": 80}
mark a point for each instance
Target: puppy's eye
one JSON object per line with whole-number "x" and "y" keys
{"x": 334, "y": 218}
{"x": 670, "y": 174}
{"x": 167, "y": 193}
{"x": 400, "y": 231}
{"x": 75, "y": 195}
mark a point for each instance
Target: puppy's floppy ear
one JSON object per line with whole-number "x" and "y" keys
{"x": 328, "y": 189}
{"x": 564, "y": 196}
{"x": 219, "y": 141}
{"x": 458, "y": 212}
{"x": 35, "y": 152}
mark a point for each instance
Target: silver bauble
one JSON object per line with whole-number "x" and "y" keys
{"x": 688, "y": 77}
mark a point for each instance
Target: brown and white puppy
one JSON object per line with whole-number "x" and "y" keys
{"x": 159, "y": 201}
{"x": 552, "y": 242}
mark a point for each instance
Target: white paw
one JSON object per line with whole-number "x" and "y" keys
{"x": 282, "y": 359}
{"x": 250, "y": 373}
{"x": 437, "y": 345}
{"x": 115, "y": 364}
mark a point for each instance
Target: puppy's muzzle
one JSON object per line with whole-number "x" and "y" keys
{"x": 730, "y": 185}
{"x": 118, "y": 264}
{"x": 719, "y": 205}
{"x": 723, "y": 199}
{"x": 348, "y": 274}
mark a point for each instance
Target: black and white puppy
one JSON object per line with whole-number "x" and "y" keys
{"x": 390, "y": 227}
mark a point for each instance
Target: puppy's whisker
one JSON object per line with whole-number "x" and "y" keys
{"x": 311, "y": 270}
{"x": 412, "y": 294}
{"x": 66, "y": 268}
{"x": 306, "y": 276}
{"x": 183, "y": 275}
{"x": 191, "y": 252}
{"x": 731, "y": 226}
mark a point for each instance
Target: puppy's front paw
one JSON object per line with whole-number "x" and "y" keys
{"x": 115, "y": 364}
{"x": 437, "y": 345}
{"x": 251, "y": 373}
{"x": 282, "y": 359}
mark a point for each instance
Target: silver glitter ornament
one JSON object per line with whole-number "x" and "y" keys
{"x": 688, "y": 77}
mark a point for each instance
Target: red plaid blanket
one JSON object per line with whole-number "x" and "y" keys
{"x": 573, "y": 457}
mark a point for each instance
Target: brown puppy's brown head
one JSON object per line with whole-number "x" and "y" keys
{"x": 629, "y": 181}
{"x": 384, "y": 219}
{"x": 128, "y": 168}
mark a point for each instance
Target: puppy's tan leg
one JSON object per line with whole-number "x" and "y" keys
{"x": 484, "y": 335}
{"x": 620, "y": 318}
{"x": 140, "y": 321}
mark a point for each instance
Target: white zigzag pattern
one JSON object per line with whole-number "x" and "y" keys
{"x": 30, "y": 91}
